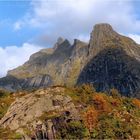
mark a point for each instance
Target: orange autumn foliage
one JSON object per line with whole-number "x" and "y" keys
{"x": 136, "y": 102}
{"x": 100, "y": 103}
{"x": 90, "y": 118}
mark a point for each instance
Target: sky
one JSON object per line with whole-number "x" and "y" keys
{"x": 26, "y": 26}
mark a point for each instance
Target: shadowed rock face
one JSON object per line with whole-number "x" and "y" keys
{"x": 12, "y": 83}
{"x": 37, "y": 82}
{"x": 112, "y": 68}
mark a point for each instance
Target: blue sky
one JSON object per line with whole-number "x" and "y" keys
{"x": 10, "y": 12}
{"x": 27, "y": 26}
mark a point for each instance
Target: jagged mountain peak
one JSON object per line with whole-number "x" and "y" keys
{"x": 104, "y": 27}
{"x": 60, "y": 42}
{"x": 102, "y": 30}
{"x": 104, "y": 36}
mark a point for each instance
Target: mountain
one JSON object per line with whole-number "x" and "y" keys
{"x": 75, "y": 91}
{"x": 108, "y": 61}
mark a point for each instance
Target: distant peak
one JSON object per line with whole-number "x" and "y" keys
{"x": 104, "y": 28}
{"x": 103, "y": 35}
{"x": 60, "y": 40}
{"x": 101, "y": 32}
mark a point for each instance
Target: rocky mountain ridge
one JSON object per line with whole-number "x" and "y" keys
{"x": 108, "y": 61}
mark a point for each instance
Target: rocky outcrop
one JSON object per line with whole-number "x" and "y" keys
{"x": 34, "y": 111}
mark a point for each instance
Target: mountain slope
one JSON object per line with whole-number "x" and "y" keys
{"x": 69, "y": 113}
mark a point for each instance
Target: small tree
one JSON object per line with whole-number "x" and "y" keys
{"x": 90, "y": 118}
{"x": 136, "y": 102}
{"x": 100, "y": 103}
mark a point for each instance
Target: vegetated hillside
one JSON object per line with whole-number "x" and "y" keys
{"x": 70, "y": 113}
{"x": 109, "y": 60}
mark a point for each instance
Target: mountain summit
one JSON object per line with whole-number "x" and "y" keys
{"x": 108, "y": 61}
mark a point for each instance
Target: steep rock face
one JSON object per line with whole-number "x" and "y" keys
{"x": 113, "y": 68}
{"x": 75, "y": 63}
{"x": 12, "y": 83}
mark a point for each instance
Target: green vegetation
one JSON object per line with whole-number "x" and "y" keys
{"x": 49, "y": 115}
{"x": 106, "y": 115}
{"x": 103, "y": 115}
{"x": 76, "y": 129}
{"x": 8, "y": 134}
{"x": 5, "y": 100}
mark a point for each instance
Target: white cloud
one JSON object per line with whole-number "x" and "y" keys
{"x": 13, "y": 56}
{"x": 71, "y": 19}
{"x": 135, "y": 37}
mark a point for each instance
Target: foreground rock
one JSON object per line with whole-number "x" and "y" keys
{"x": 33, "y": 112}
